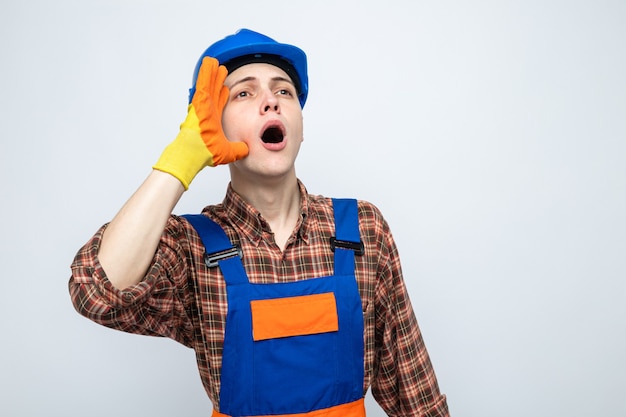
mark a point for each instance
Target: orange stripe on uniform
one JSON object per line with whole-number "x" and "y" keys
{"x": 294, "y": 316}
{"x": 353, "y": 409}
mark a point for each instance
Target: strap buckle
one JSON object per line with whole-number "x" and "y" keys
{"x": 211, "y": 259}
{"x": 357, "y": 247}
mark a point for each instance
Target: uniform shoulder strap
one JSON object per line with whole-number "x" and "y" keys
{"x": 212, "y": 235}
{"x": 347, "y": 240}
{"x": 219, "y": 251}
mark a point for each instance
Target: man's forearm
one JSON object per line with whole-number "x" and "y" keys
{"x": 132, "y": 237}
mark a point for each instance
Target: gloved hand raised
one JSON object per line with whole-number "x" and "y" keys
{"x": 201, "y": 141}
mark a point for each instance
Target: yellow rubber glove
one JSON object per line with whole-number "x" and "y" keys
{"x": 201, "y": 141}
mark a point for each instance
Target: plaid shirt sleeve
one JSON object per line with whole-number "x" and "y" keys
{"x": 403, "y": 381}
{"x": 160, "y": 305}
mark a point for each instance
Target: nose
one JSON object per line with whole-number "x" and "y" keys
{"x": 270, "y": 103}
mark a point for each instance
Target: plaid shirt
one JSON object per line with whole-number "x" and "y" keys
{"x": 182, "y": 299}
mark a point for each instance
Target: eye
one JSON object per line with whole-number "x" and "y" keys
{"x": 284, "y": 92}
{"x": 242, "y": 94}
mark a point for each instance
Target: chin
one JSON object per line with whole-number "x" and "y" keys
{"x": 270, "y": 169}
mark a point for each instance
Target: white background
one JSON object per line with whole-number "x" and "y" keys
{"x": 492, "y": 134}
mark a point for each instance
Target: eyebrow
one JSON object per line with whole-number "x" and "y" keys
{"x": 252, "y": 78}
{"x": 243, "y": 80}
{"x": 279, "y": 78}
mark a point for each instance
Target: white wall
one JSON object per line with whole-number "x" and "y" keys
{"x": 492, "y": 134}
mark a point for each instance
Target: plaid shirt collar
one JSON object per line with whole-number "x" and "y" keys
{"x": 250, "y": 223}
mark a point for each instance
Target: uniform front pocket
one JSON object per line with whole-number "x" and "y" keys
{"x": 294, "y": 316}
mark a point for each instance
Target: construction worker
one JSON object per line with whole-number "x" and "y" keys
{"x": 295, "y": 304}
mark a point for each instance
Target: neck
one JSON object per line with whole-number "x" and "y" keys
{"x": 278, "y": 201}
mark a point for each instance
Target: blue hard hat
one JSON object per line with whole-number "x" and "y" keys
{"x": 247, "y": 46}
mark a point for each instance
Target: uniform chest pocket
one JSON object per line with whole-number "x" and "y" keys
{"x": 294, "y": 316}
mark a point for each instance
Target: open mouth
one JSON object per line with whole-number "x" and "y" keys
{"x": 273, "y": 134}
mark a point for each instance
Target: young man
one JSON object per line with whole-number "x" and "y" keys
{"x": 294, "y": 304}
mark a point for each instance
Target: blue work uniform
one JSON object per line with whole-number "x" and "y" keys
{"x": 291, "y": 348}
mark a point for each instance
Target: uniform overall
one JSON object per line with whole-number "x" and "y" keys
{"x": 291, "y": 348}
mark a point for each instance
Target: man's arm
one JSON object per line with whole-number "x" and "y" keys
{"x": 405, "y": 383}
{"x": 130, "y": 240}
